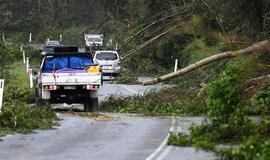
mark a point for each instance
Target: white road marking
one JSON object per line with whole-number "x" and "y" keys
{"x": 165, "y": 153}
{"x": 159, "y": 149}
{"x": 163, "y": 150}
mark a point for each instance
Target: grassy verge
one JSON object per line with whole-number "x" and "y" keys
{"x": 16, "y": 115}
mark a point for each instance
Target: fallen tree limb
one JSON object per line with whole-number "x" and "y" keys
{"x": 149, "y": 26}
{"x": 262, "y": 46}
{"x": 258, "y": 79}
{"x": 152, "y": 40}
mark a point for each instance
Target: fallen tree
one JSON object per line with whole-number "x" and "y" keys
{"x": 152, "y": 40}
{"x": 149, "y": 26}
{"x": 263, "y": 46}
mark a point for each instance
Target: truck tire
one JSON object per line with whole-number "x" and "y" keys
{"x": 91, "y": 105}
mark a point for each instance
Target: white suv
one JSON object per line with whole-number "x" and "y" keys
{"x": 109, "y": 61}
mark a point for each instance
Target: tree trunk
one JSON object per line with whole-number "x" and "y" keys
{"x": 262, "y": 46}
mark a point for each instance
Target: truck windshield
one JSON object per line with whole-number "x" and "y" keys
{"x": 54, "y": 63}
{"x": 106, "y": 56}
{"x": 48, "y": 49}
{"x": 93, "y": 39}
{"x": 53, "y": 43}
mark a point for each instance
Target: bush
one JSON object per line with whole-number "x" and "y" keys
{"x": 224, "y": 96}
{"x": 22, "y": 118}
{"x": 261, "y": 100}
{"x": 164, "y": 102}
{"x": 253, "y": 147}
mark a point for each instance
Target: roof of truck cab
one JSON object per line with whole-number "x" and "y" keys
{"x": 103, "y": 51}
{"x": 68, "y": 53}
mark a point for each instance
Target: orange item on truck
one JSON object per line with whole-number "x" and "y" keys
{"x": 93, "y": 69}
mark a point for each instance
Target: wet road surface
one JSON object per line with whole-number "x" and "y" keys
{"x": 123, "y": 137}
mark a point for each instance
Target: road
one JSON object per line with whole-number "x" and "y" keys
{"x": 119, "y": 137}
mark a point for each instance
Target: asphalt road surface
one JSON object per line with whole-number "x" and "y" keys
{"x": 118, "y": 137}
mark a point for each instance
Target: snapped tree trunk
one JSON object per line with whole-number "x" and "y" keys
{"x": 262, "y": 46}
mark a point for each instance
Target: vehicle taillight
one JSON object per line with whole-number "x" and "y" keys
{"x": 50, "y": 87}
{"x": 92, "y": 87}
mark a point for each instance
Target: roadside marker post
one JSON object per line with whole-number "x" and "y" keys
{"x": 21, "y": 48}
{"x": 27, "y": 64}
{"x": 31, "y": 78}
{"x": 116, "y": 46}
{"x": 24, "y": 61}
{"x": 60, "y": 37}
{"x": 3, "y": 38}
{"x": 2, "y": 82}
{"x": 176, "y": 65}
{"x": 30, "y": 37}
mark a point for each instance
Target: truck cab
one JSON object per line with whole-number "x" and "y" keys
{"x": 93, "y": 42}
{"x": 67, "y": 76}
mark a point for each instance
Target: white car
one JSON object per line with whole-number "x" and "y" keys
{"x": 109, "y": 61}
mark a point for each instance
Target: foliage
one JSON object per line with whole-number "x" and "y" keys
{"x": 179, "y": 140}
{"x": 7, "y": 57}
{"x": 253, "y": 147}
{"x": 199, "y": 49}
{"x": 224, "y": 97}
{"x": 261, "y": 100}
{"x": 168, "y": 101}
{"x": 16, "y": 115}
{"x": 22, "y": 118}
{"x": 228, "y": 122}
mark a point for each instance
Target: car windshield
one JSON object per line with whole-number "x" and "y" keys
{"x": 93, "y": 39}
{"x": 106, "y": 56}
{"x": 54, "y": 63}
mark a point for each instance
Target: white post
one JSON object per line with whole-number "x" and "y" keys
{"x": 30, "y": 37}
{"x": 176, "y": 65}
{"x": 2, "y": 82}
{"x": 116, "y": 46}
{"x": 3, "y": 38}
{"x": 24, "y": 61}
{"x": 27, "y": 64}
{"x": 21, "y": 48}
{"x": 60, "y": 37}
{"x": 31, "y": 78}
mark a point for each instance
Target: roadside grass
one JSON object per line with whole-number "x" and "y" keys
{"x": 17, "y": 115}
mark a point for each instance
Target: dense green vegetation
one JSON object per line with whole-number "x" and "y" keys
{"x": 16, "y": 114}
{"x": 151, "y": 35}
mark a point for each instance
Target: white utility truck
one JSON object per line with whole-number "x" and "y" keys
{"x": 67, "y": 76}
{"x": 93, "y": 41}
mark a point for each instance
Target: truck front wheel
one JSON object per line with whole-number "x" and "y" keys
{"x": 91, "y": 105}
